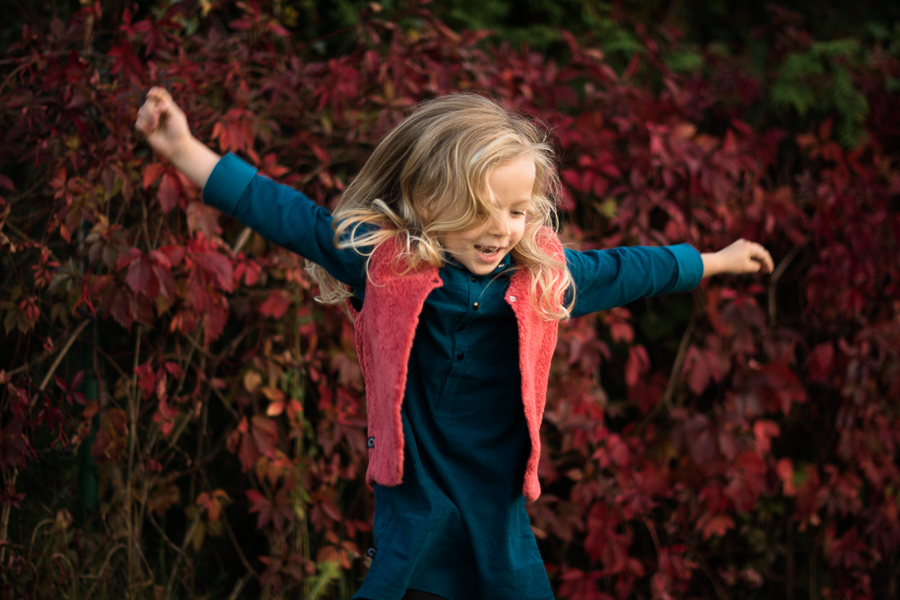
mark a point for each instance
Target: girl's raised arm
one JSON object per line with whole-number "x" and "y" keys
{"x": 617, "y": 276}
{"x": 165, "y": 127}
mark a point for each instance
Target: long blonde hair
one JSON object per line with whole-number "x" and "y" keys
{"x": 428, "y": 177}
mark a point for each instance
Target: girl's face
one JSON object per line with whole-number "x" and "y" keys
{"x": 482, "y": 248}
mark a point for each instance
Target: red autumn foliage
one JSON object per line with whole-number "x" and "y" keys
{"x": 694, "y": 447}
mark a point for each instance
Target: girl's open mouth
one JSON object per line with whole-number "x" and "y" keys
{"x": 488, "y": 250}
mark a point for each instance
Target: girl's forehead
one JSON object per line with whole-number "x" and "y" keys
{"x": 513, "y": 180}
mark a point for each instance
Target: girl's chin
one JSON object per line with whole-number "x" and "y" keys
{"x": 480, "y": 263}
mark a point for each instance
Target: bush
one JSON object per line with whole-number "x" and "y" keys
{"x": 741, "y": 443}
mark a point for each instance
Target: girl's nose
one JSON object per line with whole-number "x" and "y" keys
{"x": 500, "y": 225}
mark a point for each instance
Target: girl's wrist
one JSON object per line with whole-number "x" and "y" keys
{"x": 180, "y": 149}
{"x": 712, "y": 264}
{"x": 195, "y": 159}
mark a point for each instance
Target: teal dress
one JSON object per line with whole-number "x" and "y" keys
{"x": 457, "y": 526}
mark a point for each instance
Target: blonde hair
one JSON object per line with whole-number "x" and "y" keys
{"x": 428, "y": 177}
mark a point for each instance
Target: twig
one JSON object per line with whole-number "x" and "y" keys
{"x": 239, "y": 586}
{"x": 166, "y": 538}
{"x": 4, "y": 526}
{"x": 25, "y": 237}
{"x": 242, "y": 240}
{"x": 36, "y": 361}
{"x": 221, "y": 397}
{"x": 11, "y": 75}
{"x": 109, "y": 358}
{"x": 132, "y": 408}
{"x": 237, "y": 547}
{"x": 779, "y": 271}
{"x": 187, "y": 539}
{"x": 674, "y": 375}
{"x": 102, "y": 568}
{"x": 721, "y": 593}
{"x": 35, "y": 532}
{"x": 679, "y": 361}
{"x": 198, "y": 347}
{"x": 59, "y": 358}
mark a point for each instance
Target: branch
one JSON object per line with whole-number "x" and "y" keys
{"x": 187, "y": 539}
{"x": 237, "y": 547}
{"x": 242, "y": 240}
{"x": 59, "y": 358}
{"x": 674, "y": 374}
{"x": 779, "y": 271}
{"x": 99, "y": 574}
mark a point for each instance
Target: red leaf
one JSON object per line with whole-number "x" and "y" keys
{"x": 275, "y": 305}
{"x": 151, "y": 173}
{"x": 203, "y": 218}
{"x": 174, "y": 253}
{"x": 265, "y": 434}
{"x": 217, "y": 267}
{"x": 764, "y": 432}
{"x": 61, "y": 383}
{"x": 698, "y": 375}
{"x": 169, "y": 193}
{"x": 785, "y": 470}
{"x": 820, "y": 363}
{"x": 716, "y": 525}
{"x": 260, "y": 505}
{"x": 140, "y": 275}
{"x": 637, "y": 365}
{"x": 214, "y": 321}
{"x": 248, "y": 453}
{"x": 747, "y": 481}
{"x": 277, "y": 29}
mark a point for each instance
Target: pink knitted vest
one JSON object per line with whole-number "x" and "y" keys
{"x": 385, "y": 328}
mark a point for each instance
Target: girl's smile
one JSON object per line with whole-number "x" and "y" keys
{"x": 482, "y": 248}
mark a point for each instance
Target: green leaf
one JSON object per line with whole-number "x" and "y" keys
{"x": 685, "y": 61}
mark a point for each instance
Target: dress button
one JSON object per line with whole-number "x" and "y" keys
{"x": 460, "y": 356}
{"x": 476, "y": 306}
{"x": 370, "y": 552}
{"x": 370, "y": 442}
{"x": 461, "y": 327}
{"x": 474, "y": 280}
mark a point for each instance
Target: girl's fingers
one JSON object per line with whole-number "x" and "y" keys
{"x": 152, "y": 112}
{"x": 763, "y": 258}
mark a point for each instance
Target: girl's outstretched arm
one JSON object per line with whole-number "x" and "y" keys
{"x": 740, "y": 257}
{"x": 165, "y": 127}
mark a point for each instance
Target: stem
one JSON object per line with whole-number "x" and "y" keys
{"x": 673, "y": 375}
{"x": 132, "y": 417}
{"x": 187, "y": 539}
{"x": 4, "y": 527}
{"x": 239, "y": 587}
{"x": 99, "y": 574}
{"x": 59, "y": 358}
{"x": 789, "y": 592}
{"x": 779, "y": 271}
{"x": 237, "y": 547}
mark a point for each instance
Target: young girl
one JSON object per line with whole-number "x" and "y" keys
{"x": 443, "y": 248}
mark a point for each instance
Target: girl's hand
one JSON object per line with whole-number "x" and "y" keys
{"x": 165, "y": 128}
{"x": 163, "y": 124}
{"x": 740, "y": 257}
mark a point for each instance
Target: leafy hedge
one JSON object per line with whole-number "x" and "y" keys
{"x": 174, "y": 403}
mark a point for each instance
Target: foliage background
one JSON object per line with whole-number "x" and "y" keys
{"x": 179, "y": 419}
